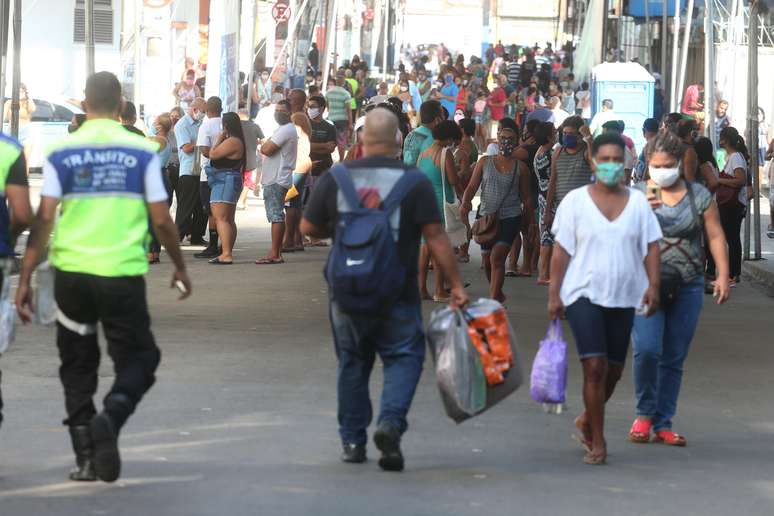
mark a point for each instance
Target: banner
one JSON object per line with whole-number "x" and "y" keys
{"x": 222, "y": 63}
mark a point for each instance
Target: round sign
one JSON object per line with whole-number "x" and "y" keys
{"x": 280, "y": 12}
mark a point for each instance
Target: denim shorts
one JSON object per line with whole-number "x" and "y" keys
{"x": 507, "y": 232}
{"x": 600, "y": 331}
{"x": 274, "y": 202}
{"x": 342, "y": 128}
{"x": 225, "y": 186}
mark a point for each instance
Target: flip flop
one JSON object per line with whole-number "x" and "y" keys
{"x": 595, "y": 460}
{"x": 466, "y": 259}
{"x": 268, "y": 261}
{"x": 511, "y": 274}
{"x": 216, "y": 261}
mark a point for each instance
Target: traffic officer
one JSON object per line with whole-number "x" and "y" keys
{"x": 14, "y": 193}
{"x": 108, "y": 182}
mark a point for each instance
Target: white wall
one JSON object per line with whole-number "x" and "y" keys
{"x": 51, "y": 64}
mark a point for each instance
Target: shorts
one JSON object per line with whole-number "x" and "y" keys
{"x": 507, "y": 232}
{"x": 204, "y": 196}
{"x": 247, "y": 179}
{"x": 297, "y": 202}
{"x": 274, "y": 202}
{"x": 225, "y": 186}
{"x": 342, "y": 128}
{"x": 600, "y": 331}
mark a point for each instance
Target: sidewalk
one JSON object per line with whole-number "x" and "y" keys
{"x": 761, "y": 270}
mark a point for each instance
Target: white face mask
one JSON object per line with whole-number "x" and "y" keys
{"x": 199, "y": 116}
{"x": 314, "y": 113}
{"x": 664, "y": 177}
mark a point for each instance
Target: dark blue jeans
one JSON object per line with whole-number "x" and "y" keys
{"x": 660, "y": 344}
{"x": 399, "y": 341}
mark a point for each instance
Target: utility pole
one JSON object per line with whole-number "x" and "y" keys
{"x": 752, "y": 132}
{"x": 251, "y": 74}
{"x": 684, "y": 58}
{"x": 664, "y": 33}
{"x": 709, "y": 73}
{"x": 385, "y": 39}
{"x": 5, "y": 8}
{"x": 647, "y": 31}
{"x": 17, "y": 12}
{"x": 88, "y": 26}
{"x": 675, "y": 55}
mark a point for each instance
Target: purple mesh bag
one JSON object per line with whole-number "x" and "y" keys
{"x": 548, "y": 380}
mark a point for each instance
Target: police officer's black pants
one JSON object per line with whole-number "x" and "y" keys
{"x": 190, "y": 218}
{"x": 120, "y": 305}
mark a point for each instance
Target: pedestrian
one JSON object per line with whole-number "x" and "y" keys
{"x": 649, "y": 132}
{"x": 15, "y": 209}
{"x": 496, "y": 103}
{"x": 314, "y": 57}
{"x": 605, "y": 265}
{"x": 396, "y": 333}
{"x": 688, "y": 131}
{"x": 504, "y": 184}
{"x": 602, "y": 117}
{"x": 545, "y": 137}
{"x": 732, "y": 198}
{"x": 280, "y": 152}
{"x": 708, "y": 165}
{"x": 99, "y": 258}
{"x": 162, "y": 126}
{"x": 210, "y": 130}
{"x": 186, "y": 91}
{"x": 190, "y": 218}
{"x": 293, "y": 240}
{"x": 421, "y": 138}
{"x": 129, "y": 118}
{"x": 227, "y": 161}
{"x": 466, "y": 157}
{"x": 338, "y": 100}
{"x": 660, "y": 343}
{"x": 253, "y": 137}
{"x": 264, "y": 87}
{"x": 173, "y": 165}
{"x": 437, "y": 164}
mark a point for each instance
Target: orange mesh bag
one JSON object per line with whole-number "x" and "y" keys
{"x": 491, "y": 336}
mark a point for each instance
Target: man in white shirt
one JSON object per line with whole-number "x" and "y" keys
{"x": 278, "y": 163}
{"x": 607, "y": 114}
{"x": 560, "y": 115}
{"x": 208, "y": 133}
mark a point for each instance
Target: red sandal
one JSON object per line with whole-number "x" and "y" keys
{"x": 640, "y": 431}
{"x": 669, "y": 438}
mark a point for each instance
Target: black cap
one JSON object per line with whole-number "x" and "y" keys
{"x": 650, "y": 125}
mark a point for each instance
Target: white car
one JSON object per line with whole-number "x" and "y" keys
{"x": 49, "y": 124}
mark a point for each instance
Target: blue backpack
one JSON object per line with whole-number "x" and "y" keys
{"x": 364, "y": 271}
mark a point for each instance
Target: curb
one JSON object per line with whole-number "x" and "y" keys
{"x": 759, "y": 272}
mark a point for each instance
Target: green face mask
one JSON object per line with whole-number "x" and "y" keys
{"x": 610, "y": 173}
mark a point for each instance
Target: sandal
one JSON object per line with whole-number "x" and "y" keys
{"x": 511, "y": 274}
{"x": 640, "y": 431}
{"x": 581, "y": 439}
{"x": 595, "y": 460}
{"x": 269, "y": 261}
{"x": 669, "y": 438}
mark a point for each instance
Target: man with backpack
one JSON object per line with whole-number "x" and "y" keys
{"x": 377, "y": 210}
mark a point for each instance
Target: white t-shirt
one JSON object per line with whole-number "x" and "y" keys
{"x": 584, "y": 102}
{"x": 560, "y": 115}
{"x": 278, "y": 168}
{"x": 208, "y": 135}
{"x": 607, "y": 258}
{"x": 599, "y": 120}
{"x": 736, "y": 160}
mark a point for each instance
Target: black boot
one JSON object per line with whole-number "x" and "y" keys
{"x": 107, "y": 460}
{"x": 84, "y": 454}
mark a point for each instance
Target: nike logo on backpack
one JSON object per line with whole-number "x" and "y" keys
{"x": 352, "y": 263}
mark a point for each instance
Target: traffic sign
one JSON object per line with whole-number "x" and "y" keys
{"x": 281, "y": 12}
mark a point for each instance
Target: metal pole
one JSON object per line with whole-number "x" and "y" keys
{"x": 752, "y": 110}
{"x": 647, "y": 31}
{"x": 709, "y": 75}
{"x": 17, "y": 12}
{"x": 330, "y": 29}
{"x": 675, "y": 56}
{"x": 88, "y": 25}
{"x": 664, "y": 33}
{"x": 251, "y": 73}
{"x": 385, "y": 40}
{"x": 605, "y": 12}
{"x": 137, "y": 54}
{"x": 684, "y": 57}
{"x": 4, "y": 9}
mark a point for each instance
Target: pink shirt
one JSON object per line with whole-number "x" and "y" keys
{"x": 691, "y": 97}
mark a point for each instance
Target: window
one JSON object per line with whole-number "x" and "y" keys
{"x": 44, "y": 112}
{"x": 103, "y": 22}
{"x": 61, "y": 113}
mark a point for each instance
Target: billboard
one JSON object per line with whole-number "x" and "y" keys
{"x": 222, "y": 69}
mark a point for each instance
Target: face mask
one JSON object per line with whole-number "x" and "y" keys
{"x": 664, "y": 177}
{"x": 404, "y": 88}
{"x": 449, "y": 79}
{"x": 506, "y": 147}
{"x": 570, "y": 141}
{"x": 422, "y": 78}
{"x": 199, "y": 116}
{"x": 314, "y": 113}
{"x": 610, "y": 173}
{"x": 264, "y": 78}
{"x": 152, "y": 131}
{"x": 282, "y": 118}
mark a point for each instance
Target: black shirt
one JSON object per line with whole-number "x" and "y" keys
{"x": 322, "y": 132}
{"x": 133, "y": 129}
{"x": 18, "y": 173}
{"x": 418, "y": 209}
{"x": 533, "y": 180}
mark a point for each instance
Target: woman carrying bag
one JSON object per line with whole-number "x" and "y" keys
{"x": 504, "y": 183}
{"x": 685, "y": 210}
{"x": 437, "y": 163}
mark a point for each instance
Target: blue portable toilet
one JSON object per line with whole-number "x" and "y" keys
{"x": 631, "y": 87}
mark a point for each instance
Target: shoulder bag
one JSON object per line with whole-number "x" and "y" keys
{"x": 671, "y": 279}
{"x": 485, "y": 228}
{"x": 458, "y": 233}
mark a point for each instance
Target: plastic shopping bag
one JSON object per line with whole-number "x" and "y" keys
{"x": 45, "y": 305}
{"x": 481, "y": 320}
{"x": 549, "y": 370}
{"x": 7, "y": 311}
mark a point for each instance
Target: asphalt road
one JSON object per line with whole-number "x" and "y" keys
{"x": 242, "y": 418}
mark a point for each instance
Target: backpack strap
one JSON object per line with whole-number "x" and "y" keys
{"x": 346, "y": 186}
{"x": 400, "y": 190}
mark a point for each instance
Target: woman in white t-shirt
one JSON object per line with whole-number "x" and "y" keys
{"x": 732, "y": 196}
{"x": 605, "y": 265}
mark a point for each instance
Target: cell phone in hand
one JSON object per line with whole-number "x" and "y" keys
{"x": 654, "y": 191}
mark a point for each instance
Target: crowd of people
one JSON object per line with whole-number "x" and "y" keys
{"x": 627, "y": 243}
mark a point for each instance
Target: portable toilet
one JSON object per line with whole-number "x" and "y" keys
{"x": 631, "y": 88}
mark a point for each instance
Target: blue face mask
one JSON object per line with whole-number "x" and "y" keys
{"x": 570, "y": 141}
{"x": 152, "y": 130}
{"x": 610, "y": 173}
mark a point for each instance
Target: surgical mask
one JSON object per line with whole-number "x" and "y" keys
{"x": 507, "y": 147}
{"x": 281, "y": 117}
{"x": 152, "y": 130}
{"x": 404, "y": 88}
{"x": 313, "y": 113}
{"x": 664, "y": 177}
{"x": 199, "y": 116}
{"x": 570, "y": 141}
{"x": 610, "y": 173}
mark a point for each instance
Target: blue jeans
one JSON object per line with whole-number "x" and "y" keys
{"x": 399, "y": 340}
{"x": 660, "y": 344}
